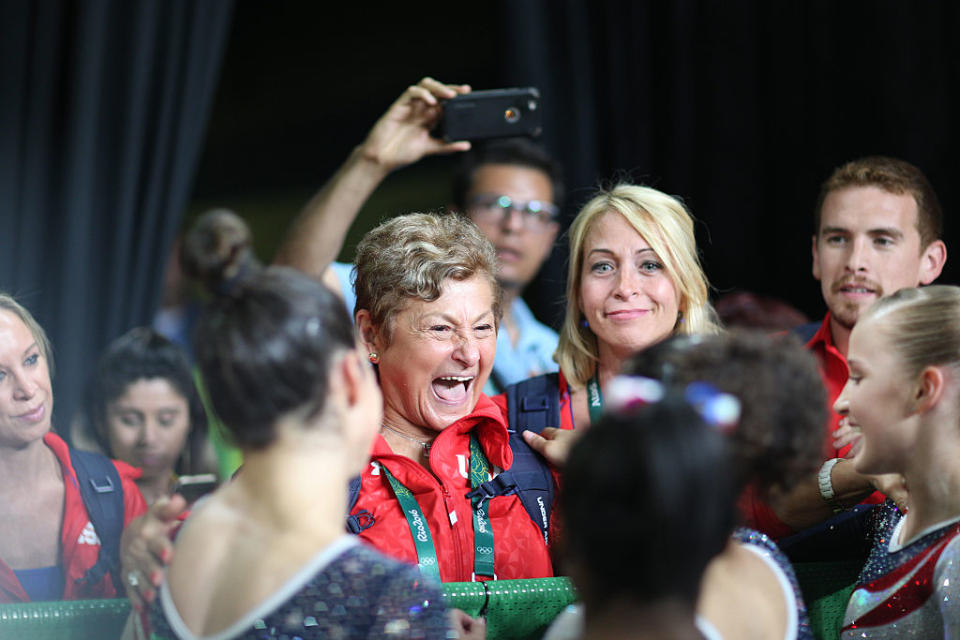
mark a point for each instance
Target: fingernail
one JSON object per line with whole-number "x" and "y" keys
{"x": 149, "y": 594}
{"x": 155, "y": 578}
{"x": 136, "y": 607}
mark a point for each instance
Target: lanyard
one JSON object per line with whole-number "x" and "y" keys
{"x": 482, "y": 531}
{"x": 594, "y": 400}
{"x": 420, "y": 530}
{"x": 422, "y": 540}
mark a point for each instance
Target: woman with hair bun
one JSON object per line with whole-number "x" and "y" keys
{"x": 427, "y": 312}
{"x": 266, "y": 553}
{"x": 904, "y": 395}
{"x": 635, "y": 549}
{"x": 750, "y": 590}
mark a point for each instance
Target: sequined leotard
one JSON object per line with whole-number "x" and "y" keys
{"x": 910, "y": 591}
{"x": 347, "y": 591}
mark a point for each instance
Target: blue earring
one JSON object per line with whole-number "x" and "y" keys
{"x": 585, "y": 324}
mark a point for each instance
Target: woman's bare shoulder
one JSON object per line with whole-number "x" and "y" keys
{"x": 215, "y": 544}
{"x": 741, "y": 595}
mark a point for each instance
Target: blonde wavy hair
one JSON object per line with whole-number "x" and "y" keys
{"x": 410, "y": 257}
{"x": 9, "y": 303}
{"x": 667, "y": 227}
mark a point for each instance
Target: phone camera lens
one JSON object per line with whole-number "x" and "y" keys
{"x": 511, "y": 115}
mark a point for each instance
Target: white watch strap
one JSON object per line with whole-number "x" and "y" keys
{"x": 825, "y": 481}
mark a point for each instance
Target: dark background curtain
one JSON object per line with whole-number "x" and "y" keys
{"x": 742, "y": 109}
{"x": 104, "y": 104}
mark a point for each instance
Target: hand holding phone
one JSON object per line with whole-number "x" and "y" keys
{"x": 500, "y": 113}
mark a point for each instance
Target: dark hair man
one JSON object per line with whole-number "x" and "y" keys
{"x": 877, "y": 228}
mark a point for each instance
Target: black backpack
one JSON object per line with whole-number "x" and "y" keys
{"x": 102, "y": 495}
{"x": 531, "y": 405}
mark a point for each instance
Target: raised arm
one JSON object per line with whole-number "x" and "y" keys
{"x": 400, "y": 137}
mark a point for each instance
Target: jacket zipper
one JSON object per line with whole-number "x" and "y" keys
{"x": 462, "y": 575}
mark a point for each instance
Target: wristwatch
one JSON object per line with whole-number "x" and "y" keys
{"x": 825, "y": 481}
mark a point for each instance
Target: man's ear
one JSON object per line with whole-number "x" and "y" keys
{"x": 929, "y": 389}
{"x": 368, "y": 332}
{"x": 816, "y": 257}
{"x": 932, "y": 260}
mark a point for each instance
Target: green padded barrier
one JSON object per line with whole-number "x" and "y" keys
{"x": 469, "y": 597}
{"x": 826, "y": 613}
{"x": 524, "y": 608}
{"x": 826, "y": 588}
{"x": 67, "y": 620}
{"x": 514, "y": 609}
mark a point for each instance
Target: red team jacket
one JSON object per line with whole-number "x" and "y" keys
{"x": 519, "y": 548}
{"x": 79, "y": 544}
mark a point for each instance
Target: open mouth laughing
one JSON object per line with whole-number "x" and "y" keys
{"x": 453, "y": 390}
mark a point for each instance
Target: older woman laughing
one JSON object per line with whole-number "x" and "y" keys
{"x": 428, "y": 309}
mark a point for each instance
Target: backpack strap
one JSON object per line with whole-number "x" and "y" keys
{"x": 529, "y": 479}
{"x": 360, "y": 520}
{"x": 102, "y": 494}
{"x": 532, "y": 405}
{"x": 806, "y": 331}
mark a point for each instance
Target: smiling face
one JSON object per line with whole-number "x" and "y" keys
{"x": 26, "y": 396}
{"x": 147, "y": 426}
{"x": 868, "y": 246}
{"x": 626, "y": 294}
{"x": 439, "y": 357}
{"x": 878, "y": 398}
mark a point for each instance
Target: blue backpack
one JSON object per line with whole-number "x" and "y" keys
{"x": 531, "y": 405}
{"x": 102, "y": 495}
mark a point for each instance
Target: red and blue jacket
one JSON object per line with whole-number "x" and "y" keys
{"x": 519, "y": 548}
{"x": 79, "y": 544}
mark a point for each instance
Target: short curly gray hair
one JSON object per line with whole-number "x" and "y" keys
{"x": 410, "y": 256}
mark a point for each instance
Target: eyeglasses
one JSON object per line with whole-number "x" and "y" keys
{"x": 491, "y": 208}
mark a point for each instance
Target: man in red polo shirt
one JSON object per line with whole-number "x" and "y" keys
{"x": 877, "y": 228}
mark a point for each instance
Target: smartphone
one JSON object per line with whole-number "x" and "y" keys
{"x": 500, "y": 113}
{"x": 195, "y": 487}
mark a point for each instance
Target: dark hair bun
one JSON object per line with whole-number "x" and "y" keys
{"x": 217, "y": 252}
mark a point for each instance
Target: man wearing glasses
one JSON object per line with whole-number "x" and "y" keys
{"x": 511, "y": 189}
